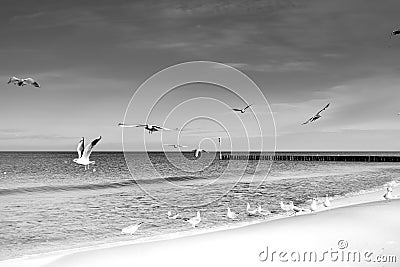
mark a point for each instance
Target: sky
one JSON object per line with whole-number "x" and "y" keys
{"x": 91, "y": 57}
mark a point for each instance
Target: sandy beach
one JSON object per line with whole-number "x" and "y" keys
{"x": 357, "y": 231}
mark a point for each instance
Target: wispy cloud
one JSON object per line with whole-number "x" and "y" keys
{"x": 289, "y": 66}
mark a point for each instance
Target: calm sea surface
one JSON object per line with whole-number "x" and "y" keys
{"x": 49, "y": 203}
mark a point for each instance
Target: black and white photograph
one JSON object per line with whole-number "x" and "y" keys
{"x": 199, "y": 133}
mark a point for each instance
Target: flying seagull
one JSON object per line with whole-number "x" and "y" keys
{"x": 175, "y": 146}
{"x": 316, "y": 116}
{"x": 243, "y": 110}
{"x": 22, "y": 82}
{"x": 395, "y": 32}
{"x": 149, "y": 127}
{"x": 84, "y": 152}
{"x": 197, "y": 152}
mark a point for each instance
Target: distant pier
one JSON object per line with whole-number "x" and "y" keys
{"x": 311, "y": 157}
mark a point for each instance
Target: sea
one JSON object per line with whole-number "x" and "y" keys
{"x": 48, "y": 203}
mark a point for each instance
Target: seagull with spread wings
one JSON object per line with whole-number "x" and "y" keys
{"x": 395, "y": 32}
{"x": 198, "y": 151}
{"x": 316, "y": 116}
{"x": 22, "y": 82}
{"x": 84, "y": 152}
{"x": 149, "y": 127}
{"x": 243, "y": 110}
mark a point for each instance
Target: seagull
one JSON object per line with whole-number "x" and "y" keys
{"x": 285, "y": 207}
{"x": 230, "y": 214}
{"x": 243, "y": 110}
{"x": 22, "y": 82}
{"x": 316, "y": 116}
{"x": 84, "y": 152}
{"x": 313, "y": 206}
{"x": 395, "y": 32}
{"x": 262, "y": 211}
{"x": 249, "y": 211}
{"x": 294, "y": 208}
{"x": 197, "y": 152}
{"x": 195, "y": 220}
{"x": 327, "y": 202}
{"x": 149, "y": 127}
{"x": 131, "y": 229}
{"x": 170, "y": 216}
{"x": 175, "y": 146}
{"x": 388, "y": 195}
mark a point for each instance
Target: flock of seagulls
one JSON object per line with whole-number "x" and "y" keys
{"x": 289, "y": 208}
{"x": 85, "y": 152}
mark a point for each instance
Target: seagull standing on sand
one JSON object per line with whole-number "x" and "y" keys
{"x": 327, "y": 202}
{"x": 84, "y": 152}
{"x": 249, "y": 211}
{"x": 294, "y": 208}
{"x": 313, "y": 206}
{"x": 195, "y": 220}
{"x": 243, "y": 110}
{"x": 388, "y": 195}
{"x": 22, "y": 82}
{"x": 149, "y": 127}
{"x": 170, "y": 216}
{"x": 230, "y": 214}
{"x": 316, "y": 116}
{"x": 262, "y": 211}
{"x": 285, "y": 207}
{"x": 131, "y": 229}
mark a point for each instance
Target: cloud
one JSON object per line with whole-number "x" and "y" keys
{"x": 289, "y": 66}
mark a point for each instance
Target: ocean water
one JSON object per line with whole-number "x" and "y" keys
{"x": 49, "y": 203}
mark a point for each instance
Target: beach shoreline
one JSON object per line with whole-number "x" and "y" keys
{"x": 339, "y": 206}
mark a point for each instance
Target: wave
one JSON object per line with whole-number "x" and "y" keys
{"x": 99, "y": 186}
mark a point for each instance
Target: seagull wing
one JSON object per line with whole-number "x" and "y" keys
{"x": 247, "y": 106}
{"x": 309, "y": 120}
{"x": 161, "y": 128}
{"x": 131, "y": 125}
{"x": 14, "y": 80}
{"x": 89, "y": 148}
{"x": 236, "y": 109}
{"x": 31, "y": 81}
{"x": 323, "y": 108}
{"x": 80, "y": 148}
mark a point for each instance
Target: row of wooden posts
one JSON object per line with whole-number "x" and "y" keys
{"x": 289, "y": 157}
